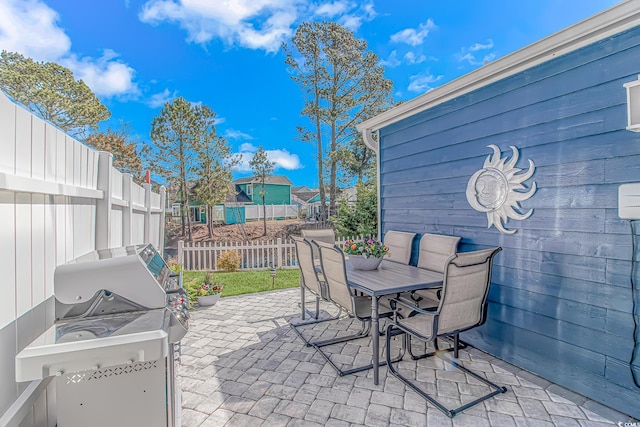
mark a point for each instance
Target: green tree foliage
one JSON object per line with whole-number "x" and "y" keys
{"x": 342, "y": 85}
{"x": 362, "y": 218}
{"x": 50, "y": 90}
{"x": 262, "y": 167}
{"x": 126, "y": 156}
{"x": 357, "y": 161}
{"x": 177, "y": 134}
{"x": 215, "y": 161}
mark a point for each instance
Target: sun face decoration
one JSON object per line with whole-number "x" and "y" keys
{"x": 497, "y": 189}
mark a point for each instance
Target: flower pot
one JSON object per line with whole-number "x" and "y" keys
{"x": 358, "y": 262}
{"x": 208, "y": 300}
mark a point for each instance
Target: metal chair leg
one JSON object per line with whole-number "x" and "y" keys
{"x": 350, "y": 371}
{"x": 295, "y": 326}
{"x": 392, "y": 331}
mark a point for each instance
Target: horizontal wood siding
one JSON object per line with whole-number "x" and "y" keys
{"x": 560, "y": 303}
{"x": 275, "y": 194}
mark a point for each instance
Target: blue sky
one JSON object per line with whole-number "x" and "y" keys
{"x": 137, "y": 54}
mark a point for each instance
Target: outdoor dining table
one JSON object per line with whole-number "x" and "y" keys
{"x": 389, "y": 279}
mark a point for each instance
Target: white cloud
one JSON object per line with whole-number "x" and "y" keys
{"x": 241, "y": 21}
{"x": 30, "y": 27}
{"x": 479, "y": 46}
{"x": 414, "y": 37}
{"x": 411, "y": 58}
{"x": 422, "y": 82}
{"x": 254, "y": 24}
{"x": 329, "y": 10}
{"x": 466, "y": 56}
{"x": 158, "y": 100}
{"x": 236, "y": 134}
{"x": 248, "y": 148}
{"x": 472, "y": 60}
{"x": 283, "y": 159}
{"x": 106, "y": 76}
{"x": 392, "y": 61}
{"x": 352, "y": 21}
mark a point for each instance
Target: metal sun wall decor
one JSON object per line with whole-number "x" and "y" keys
{"x": 497, "y": 189}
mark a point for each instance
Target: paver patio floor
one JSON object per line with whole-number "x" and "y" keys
{"x": 242, "y": 365}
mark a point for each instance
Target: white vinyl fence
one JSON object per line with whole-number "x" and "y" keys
{"x": 279, "y": 253}
{"x": 58, "y": 200}
{"x": 253, "y": 212}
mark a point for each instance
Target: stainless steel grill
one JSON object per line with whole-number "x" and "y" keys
{"x": 120, "y": 316}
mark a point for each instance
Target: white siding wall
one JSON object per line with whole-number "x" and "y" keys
{"x": 50, "y": 213}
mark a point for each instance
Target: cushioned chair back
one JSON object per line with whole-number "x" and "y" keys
{"x": 435, "y": 250}
{"x": 399, "y": 243}
{"x": 335, "y": 275}
{"x": 464, "y": 291}
{"x": 304, "y": 256}
{"x": 326, "y": 235}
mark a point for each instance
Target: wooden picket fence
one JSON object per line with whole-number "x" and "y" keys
{"x": 279, "y": 253}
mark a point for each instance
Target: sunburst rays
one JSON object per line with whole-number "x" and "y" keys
{"x": 498, "y": 189}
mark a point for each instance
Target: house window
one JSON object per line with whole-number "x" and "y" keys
{"x": 175, "y": 209}
{"x": 249, "y": 190}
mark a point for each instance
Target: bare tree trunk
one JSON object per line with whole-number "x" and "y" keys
{"x": 183, "y": 208}
{"x": 264, "y": 217}
{"x": 185, "y": 191}
{"x": 210, "y": 220}
{"x": 334, "y": 171}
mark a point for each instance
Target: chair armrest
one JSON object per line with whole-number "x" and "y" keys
{"x": 394, "y": 301}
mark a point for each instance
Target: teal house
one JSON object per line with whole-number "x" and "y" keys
{"x": 232, "y": 211}
{"x": 277, "y": 189}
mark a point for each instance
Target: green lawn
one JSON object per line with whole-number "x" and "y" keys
{"x": 245, "y": 282}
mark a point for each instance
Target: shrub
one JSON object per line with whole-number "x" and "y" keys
{"x": 174, "y": 265}
{"x": 229, "y": 261}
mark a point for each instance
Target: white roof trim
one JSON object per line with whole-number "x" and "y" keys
{"x": 614, "y": 20}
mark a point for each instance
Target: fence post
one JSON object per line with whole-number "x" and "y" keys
{"x": 127, "y": 211}
{"x": 163, "y": 208}
{"x": 147, "y": 212}
{"x": 180, "y": 252}
{"x": 279, "y": 252}
{"x": 103, "y": 206}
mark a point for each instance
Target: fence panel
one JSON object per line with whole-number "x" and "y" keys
{"x": 58, "y": 200}
{"x": 280, "y": 253}
{"x": 277, "y": 253}
{"x": 256, "y": 212}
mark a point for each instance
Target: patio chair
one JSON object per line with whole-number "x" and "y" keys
{"x": 399, "y": 243}
{"x": 341, "y": 294}
{"x": 435, "y": 250}
{"x": 326, "y": 235}
{"x": 463, "y": 306}
{"x": 310, "y": 277}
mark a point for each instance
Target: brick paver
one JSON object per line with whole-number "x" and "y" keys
{"x": 242, "y": 365}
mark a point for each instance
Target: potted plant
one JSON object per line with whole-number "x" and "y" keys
{"x": 208, "y": 292}
{"x": 365, "y": 254}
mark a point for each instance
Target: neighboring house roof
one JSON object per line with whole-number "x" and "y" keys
{"x": 306, "y": 195}
{"x": 300, "y": 189}
{"x": 235, "y": 196}
{"x": 238, "y": 196}
{"x": 612, "y": 21}
{"x": 270, "y": 179}
{"x": 316, "y": 198}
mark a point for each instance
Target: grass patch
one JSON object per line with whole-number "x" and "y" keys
{"x": 245, "y": 282}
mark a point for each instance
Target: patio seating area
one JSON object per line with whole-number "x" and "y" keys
{"x": 243, "y": 365}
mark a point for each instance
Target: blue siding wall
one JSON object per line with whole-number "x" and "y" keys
{"x": 560, "y": 302}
